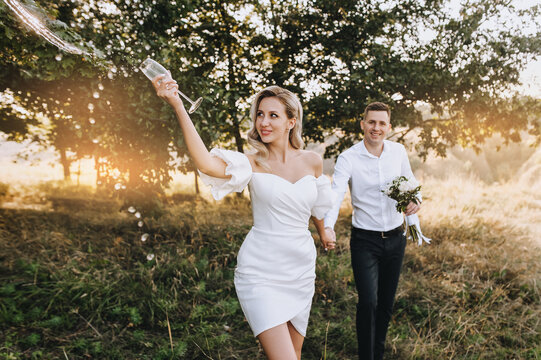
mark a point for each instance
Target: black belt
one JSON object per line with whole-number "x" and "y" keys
{"x": 382, "y": 234}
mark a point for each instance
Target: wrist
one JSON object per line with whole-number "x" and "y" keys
{"x": 176, "y": 103}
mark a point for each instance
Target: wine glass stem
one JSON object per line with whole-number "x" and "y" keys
{"x": 185, "y": 97}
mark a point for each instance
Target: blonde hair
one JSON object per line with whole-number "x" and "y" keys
{"x": 293, "y": 110}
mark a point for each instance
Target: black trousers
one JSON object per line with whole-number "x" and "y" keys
{"x": 376, "y": 259}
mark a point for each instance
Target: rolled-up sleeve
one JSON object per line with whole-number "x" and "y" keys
{"x": 325, "y": 198}
{"x": 340, "y": 180}
{"x": 406, "y": 168}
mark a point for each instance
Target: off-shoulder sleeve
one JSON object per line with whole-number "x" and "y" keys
{"x": 325, "y": 197}
{"x": 238, "y": 166}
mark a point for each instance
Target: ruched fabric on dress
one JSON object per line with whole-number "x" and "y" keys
{"x": 275, "y": 272}
{"x": 238, "y": 166}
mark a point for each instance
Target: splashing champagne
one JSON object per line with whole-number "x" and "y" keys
{"x": 151, "y": 69}
{"x": 36, "y": 25}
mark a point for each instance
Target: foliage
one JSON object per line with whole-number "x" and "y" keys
{"x": 337, "y": 56}
{"x": 375, "y": 52}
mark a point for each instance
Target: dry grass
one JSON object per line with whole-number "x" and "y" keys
{"x": 468, "y": 201}
{"x": 473, "y": 294}
{"x": 475, "y": 291}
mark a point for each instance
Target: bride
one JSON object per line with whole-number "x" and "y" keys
{"x": 275, "y": 273}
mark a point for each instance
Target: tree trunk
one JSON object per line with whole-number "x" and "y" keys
{"x": 65, "y": 164}
{"x": 196, "y": 182}
{"x": 239, "y": 141}
{"x": 78, "y": 173}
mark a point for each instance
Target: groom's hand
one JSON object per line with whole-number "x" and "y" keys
{"x": 328, "y": 239}
{"x": 412, "y": 208}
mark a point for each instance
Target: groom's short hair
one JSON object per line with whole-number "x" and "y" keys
{"x": 377, "y": 106}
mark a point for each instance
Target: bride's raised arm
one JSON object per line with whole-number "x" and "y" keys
{"x": 166, "y": 88}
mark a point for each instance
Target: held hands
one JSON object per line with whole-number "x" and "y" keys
{"x": 328, "y": 239}
{"x": 166, "y": 88}
{"x": 412, "y": 208}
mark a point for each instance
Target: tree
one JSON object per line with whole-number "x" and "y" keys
{"x": 337, "y": 55}
{"x": 375, "y": 51}
{"x": 29, "y": 67}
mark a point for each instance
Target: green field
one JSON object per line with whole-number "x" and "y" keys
{"x": 76, "y": 282}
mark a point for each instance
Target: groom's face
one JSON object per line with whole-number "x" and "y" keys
{"x": 376, "y": 125}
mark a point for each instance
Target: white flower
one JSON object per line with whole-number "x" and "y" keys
{"x": 403, "y": 187}
{"x": 412, "y": 183}
{"x": 409, "y": 185}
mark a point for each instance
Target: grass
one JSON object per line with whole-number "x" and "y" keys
{"x": 79, "y": 284}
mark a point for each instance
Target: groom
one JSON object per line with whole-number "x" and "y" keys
{"x": 377, "y": 236}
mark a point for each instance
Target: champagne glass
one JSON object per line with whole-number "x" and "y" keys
{"x": 151, "y": 69}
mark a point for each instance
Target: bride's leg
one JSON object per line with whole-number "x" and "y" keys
{"x": 296, "y": 338}
{"x": 277, "y": 343}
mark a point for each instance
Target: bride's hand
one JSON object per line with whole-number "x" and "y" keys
{"x": 166, "y": 88}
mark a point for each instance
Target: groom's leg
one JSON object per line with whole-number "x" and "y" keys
{"x": 389, "y": 273}
{"x": 365, "y": 252}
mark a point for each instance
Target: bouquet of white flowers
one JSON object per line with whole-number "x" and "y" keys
{"x": 404, "y": 191}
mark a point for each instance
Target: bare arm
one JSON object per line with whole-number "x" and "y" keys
{"x": 204, "y": 161}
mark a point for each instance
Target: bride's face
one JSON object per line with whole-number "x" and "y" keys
{"x": 271, "y": 120}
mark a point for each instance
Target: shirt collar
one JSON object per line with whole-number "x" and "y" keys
{"x": 364, "y": 151}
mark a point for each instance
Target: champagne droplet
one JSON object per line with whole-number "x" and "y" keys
{"x": 92, "y": 121}
{"x": 58, "y": 57}
{"x": 91, "y": 107}
{"x": 138, "y": 215}
{"x": 150, "y": 257}
{"x": 131, "y": 210}
{"x": 140, "y": 223}
{"x": 96, "y": 95}
{"x": 100, "y": 86}
{"x": 144, "y": 237}
{"x": 118, "y": 186}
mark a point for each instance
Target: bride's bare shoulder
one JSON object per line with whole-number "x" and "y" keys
{"x": 314, "y": 160}
{"x": 251, "y": 156}
{"x": 311, "y": 157}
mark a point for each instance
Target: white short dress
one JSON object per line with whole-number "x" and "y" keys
{"x": 275, "y": 273}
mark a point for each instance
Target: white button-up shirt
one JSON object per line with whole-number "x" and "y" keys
{"x": 367, "y": 175}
